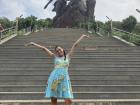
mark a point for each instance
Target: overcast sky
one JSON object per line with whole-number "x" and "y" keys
{"x": 115, "y": 9}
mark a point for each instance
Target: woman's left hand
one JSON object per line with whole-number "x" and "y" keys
{"x": 86, "y": 36}
{"x": 28, "y": 44}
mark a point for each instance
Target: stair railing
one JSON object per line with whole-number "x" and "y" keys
{"x": 7, "y": 32}
{"x": 130, "y": 37}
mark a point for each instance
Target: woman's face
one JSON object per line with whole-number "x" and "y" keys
{"x": 59, "y": 51}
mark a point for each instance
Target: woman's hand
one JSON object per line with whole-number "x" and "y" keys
{"x": 42, "y": 47}
{"x": 28, "y": 44}
{"x": 85, "y": 36}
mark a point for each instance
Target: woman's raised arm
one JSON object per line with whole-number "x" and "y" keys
{"x": 76, "y": 43}
{"x": 42, "y": 47}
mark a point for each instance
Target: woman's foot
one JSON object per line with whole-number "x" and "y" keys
{"x": 54, "y": 101}
{"x": 68, "y": 101}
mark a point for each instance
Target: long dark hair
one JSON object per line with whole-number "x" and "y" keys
{"x": 63, "y": 51}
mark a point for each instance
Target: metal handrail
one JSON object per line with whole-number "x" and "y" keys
{"x": 126, "y": 32}
{"x": 7, "y": 32}
{"x": 130, "y": 37}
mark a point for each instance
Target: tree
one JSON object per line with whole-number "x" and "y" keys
{"x": 21, "y": 23}
{"x": 107, "y": 27}
{"x": 41, "y": 23}
{"x": 49, "y": 22}
{"x": 5, "y": 22}
{"x": 99, "y": 25}
{"x": 31, "y": 20}
{"x": 93, "y": 25}
{"x": 129, "y": 23}
{"x": 117, "y": 24}
{"x": 137, "y": 28}
{"x": 45, "y": 23}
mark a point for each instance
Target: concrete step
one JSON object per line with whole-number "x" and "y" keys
{"x": 110, "y": 72}
{"x": 110, "y": 45}
{"x": 73, "y": 63}
{"x": 76, "y": 54}
{"x": 79, "y": 49}
{"x": 80, "y": 57}
{"x": 71, "y": 72}
{"x": 73, "y": 60}
{"x": 73, "y": 81}
{"x": 101, "y": 69}
{"x": 96, "y": 59}
{"x": 76, "y": 77}
{"x": 75, "y": 102}
{"x": 77, "y": 95}
{"x": 73, "y": 66}
{"x": 76, "y": 88}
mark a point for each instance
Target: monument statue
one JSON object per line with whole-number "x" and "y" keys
{"x": 59, "y": 6}
{"x": 71, "y": 12}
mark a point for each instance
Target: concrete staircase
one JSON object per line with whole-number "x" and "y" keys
{"x": 110, "y": 72}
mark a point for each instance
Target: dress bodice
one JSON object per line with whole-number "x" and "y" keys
{"x": 60, "y": 62}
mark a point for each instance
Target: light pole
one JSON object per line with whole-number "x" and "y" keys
{"x": 111, "y": 26}
{"x": 17, "y": 21}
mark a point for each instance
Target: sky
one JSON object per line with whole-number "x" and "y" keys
{"x": 117, "y": 10}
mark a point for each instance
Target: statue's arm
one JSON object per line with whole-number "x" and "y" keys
{"x": 47, "y": 4}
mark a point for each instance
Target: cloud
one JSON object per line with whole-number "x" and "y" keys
{"x": 35, "y": 7}
{"x": 13, "y": 8}
{"x": 116, "y": 9}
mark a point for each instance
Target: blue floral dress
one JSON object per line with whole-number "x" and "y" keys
{"x": 59, "y": 84}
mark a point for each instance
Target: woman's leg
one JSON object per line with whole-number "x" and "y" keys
{"x": 68, "y": 101}
{"x": 54, "y": 101}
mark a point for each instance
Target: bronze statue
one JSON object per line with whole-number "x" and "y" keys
{"x": 90, "y": 9}
{"x": 59, "y": 6}
{"x": 75, "y": 11}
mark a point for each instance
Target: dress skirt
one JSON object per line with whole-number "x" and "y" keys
{"x": 59, "y": 85}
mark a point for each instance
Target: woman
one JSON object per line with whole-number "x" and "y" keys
{"x": 59, "y": 85}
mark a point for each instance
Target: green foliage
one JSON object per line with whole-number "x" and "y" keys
{"x": 130, "y": 37}
{"x": 100, "y": 24}
{"x": 49, "y": 22}
{"x": 6, "y": 23}
{"x": 93, "y": 25}
{"x": 136, "y": 41}
{"x": 77, "y": 25}
{"x": 21, "y": 24}
{"x": 117, "y": 24}
{"x": 107, "y": 26}
{"x": 45, "y": 23}
{"x": 41, "y": 23}
{"x": 125, "y": 37}
{"x": 30, "y": 21}
{"x": 137, "y": 29}
{"x": 129, "y": 23}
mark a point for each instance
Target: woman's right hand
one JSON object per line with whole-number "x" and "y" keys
{"x": 28, "y": 44}
{"x": 32, "y": 43}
